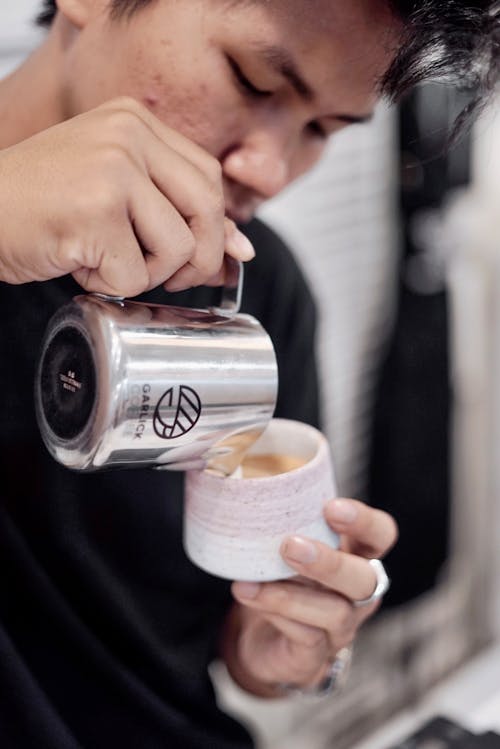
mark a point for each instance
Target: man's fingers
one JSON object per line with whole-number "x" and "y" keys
{"x": 305, "y": 605}
{"x": 299, "y": 652}
{"x": 191, "y": 179}
{"x": 193, "y": 187}
{"x": 371, "y": 532}
{"x": 164, "y": 236}
{"x": 117, "y": 267}
{"x": 346, "y": 574}
{"x": 113, "y": 241}
{"x": 236, "y": 245}
{"x": 307, "y": 636}
{"x": 199, "y": 202}
{"x": 276, "y": 649}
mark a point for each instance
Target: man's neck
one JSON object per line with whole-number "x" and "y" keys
{"x": 31, "y": 97}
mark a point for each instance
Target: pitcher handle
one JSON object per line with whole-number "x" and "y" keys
{"x": 232, "y": 290}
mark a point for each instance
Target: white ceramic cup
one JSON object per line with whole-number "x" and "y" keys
{"x": 234, "y": 526}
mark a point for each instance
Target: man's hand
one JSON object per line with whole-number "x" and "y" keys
{"x": 289, "y": 631}
{"x": 119, "y": 200}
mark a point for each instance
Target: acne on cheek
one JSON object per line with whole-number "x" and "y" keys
{"x": 196, "y": 107}
{"x": 191, "y": 114}
{"x": 151, "y": 101}
{"x": 153, "y": 92}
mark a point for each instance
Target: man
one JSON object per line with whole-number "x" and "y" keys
{"x": 131, "y": 140}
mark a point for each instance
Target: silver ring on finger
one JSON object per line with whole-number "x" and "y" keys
{"x": 382, "y": 584}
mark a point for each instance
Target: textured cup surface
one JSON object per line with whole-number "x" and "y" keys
{"x": 234, "y": 527}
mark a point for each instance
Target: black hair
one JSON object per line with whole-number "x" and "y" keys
{"x": 118, "y": 8}
{"x": 46, "y": 15}
{"x": 447, "y": 40}
{"x": 453, "y": 40}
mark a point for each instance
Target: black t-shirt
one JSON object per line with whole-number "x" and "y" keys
{"x": 106, "y": 629}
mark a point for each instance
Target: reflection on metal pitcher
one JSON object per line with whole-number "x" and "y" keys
{"x": 123, "y": 384}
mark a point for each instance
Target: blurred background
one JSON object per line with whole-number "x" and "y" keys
{"x": 399, "y": 238}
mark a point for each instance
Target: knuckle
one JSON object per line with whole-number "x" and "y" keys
{"x": 335, "y": 563}
{"x": 105, "y": 200}
{"x": 207, "y": 265}
{"x": 213, "y": 205}
{"x": 113, "y": 159}
{"x": 124, "y": 123}
{"x": 215, "y": 173}
{"x": 277, "y": 596}
{"x": 69, "y": 253}
{"x": 344, "y": 618}
{"x": 314, "y": 639}
{"x": 186, "y": 246}
{"x": 213, "y": 170}
{"x": 126, "y": 104}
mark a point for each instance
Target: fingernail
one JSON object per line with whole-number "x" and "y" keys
{"x": 300, "y": 550}
{"x": 241, "y": 245}
{"x": 246, "y": 590}
{"x": 342, "y": 511}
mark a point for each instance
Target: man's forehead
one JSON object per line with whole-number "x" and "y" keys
{"x": 322, "y": 16}
{"x": 347, "y": 45}
{"x": 323, "y": 26}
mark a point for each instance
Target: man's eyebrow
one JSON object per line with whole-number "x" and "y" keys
{"x": 282, "y": 62}
{"x": 352, "y": 119}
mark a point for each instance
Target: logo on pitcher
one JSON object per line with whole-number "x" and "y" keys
{"x": 177, "y": 412}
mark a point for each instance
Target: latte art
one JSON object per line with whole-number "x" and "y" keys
{"x": 260, "y": 466}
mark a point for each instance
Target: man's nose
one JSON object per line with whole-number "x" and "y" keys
{"x": 263, "y": 171}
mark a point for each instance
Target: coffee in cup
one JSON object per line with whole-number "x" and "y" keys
{"x": 234, "y": 526}
{"x": 272, "y": 464}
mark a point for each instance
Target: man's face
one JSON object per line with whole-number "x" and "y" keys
{"x": 260, "y": 85}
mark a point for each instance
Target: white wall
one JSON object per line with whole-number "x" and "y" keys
{"x": 474, "y": 225}
{"x": 17, "y": 31}
{"x": 341, "y": 222}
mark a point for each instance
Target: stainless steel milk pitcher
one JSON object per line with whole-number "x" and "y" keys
{"x": 127, "y": 384}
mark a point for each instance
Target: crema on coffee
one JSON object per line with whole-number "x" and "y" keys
{"x": 259, "y": 466}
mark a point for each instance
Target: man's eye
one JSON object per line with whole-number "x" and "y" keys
{"x": 318, "y": 131}
{"x": 244, "y": 83}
